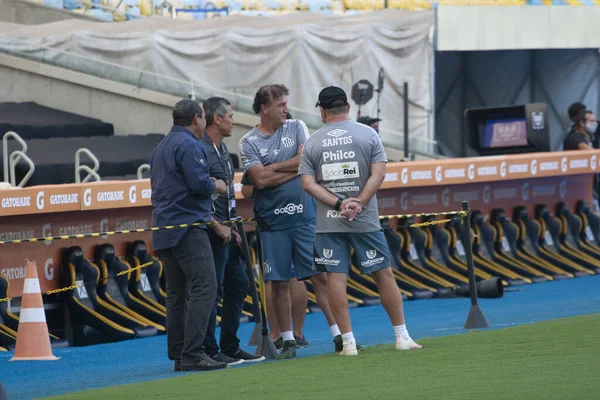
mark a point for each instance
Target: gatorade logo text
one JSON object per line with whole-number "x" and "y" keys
{"x": 147, "y": 193}
{"x": 58, "y": 199}
{"x": 110, "y": 196}
{"x": 87, "y": 197}
{"x": 133, "y": 194}
{"x": 39, "y": 201}
{"x": 16, "y": 202}
{"x": 438, "y": 173}
{"x": 49, "y": 269}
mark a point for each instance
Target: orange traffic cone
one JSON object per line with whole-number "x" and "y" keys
{"x": 33, "y": 341}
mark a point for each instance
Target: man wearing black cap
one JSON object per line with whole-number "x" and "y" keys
{"x": 342, "y": 167}
{"x": 372, "y": 122}
{"x": 284, "y": 213}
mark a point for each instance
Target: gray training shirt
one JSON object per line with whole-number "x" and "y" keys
{"x": 287, "y": 205}
{"x": 340, "y": 155}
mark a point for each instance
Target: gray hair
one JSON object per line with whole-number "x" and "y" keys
{"x": 184, "y": 112}
{"x": 215, "y": 106}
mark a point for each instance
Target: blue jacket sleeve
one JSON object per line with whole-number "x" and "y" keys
{"x": 196, "y": 171}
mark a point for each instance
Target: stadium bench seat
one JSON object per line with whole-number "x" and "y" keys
{"x": 534, "y": 240}
{"x": 589, "y": 241}
{"x": 89, "y": 321}
{"x": 569, "y": 231}
{"x": 507, "y": 235}
{"x": 497, "y": 247}
{"x": 408, "y": 284}
{"x": 526, "y": 250}
{"x": 114, "y": 290}
{"x": 145, "y": 284}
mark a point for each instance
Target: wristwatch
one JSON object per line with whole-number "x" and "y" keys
{"x": 338, "y": 204}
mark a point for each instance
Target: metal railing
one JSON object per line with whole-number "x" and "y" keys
{"x": 91, "y": 172}
{"x": 10, "y": 162}
{"x": 142, "y": 169}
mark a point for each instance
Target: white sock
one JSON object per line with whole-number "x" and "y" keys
{"x": 289, "y": 335}
{"x": 335, "y": 331}
{"x": 401, "y": 331}
{"x": 348, "y": 337}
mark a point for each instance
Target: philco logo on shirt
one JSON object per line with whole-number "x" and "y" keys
{"x": 345, "y": 170}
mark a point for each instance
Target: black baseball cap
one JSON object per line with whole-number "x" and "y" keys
{"x": 367, "y": 120}
{"x": 332, "y": 97}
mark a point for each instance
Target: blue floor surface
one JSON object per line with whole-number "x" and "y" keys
{"x": 146, "y": 359}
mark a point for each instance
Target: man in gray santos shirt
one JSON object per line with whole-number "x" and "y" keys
{"x": 342, "y": 166}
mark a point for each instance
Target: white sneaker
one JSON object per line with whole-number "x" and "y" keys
{"x": 349, "y": 349}
{"x": 410, "y": 344}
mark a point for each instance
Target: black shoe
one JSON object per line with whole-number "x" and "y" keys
{"x": 278, "y": 343}
{"x": 301, "y": 342}
{"x": 288, "y": 350}
{"x": 240, "y": 354}
{"x": 220, "y": 357}
{"x": 203, "y": 363}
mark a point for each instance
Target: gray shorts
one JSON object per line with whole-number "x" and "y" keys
{"x": 288, "y": 251}
{"x": 332, "y": 251}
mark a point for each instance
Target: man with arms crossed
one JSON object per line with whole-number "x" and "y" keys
{"x": 284, "y": 212}
{"x": 342, "y": 166}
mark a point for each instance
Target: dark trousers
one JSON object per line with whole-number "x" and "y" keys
{"x": 189, "y": 266}
{"x": 233, "y": 286}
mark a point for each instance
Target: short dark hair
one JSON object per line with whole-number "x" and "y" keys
{"x": 184, "y": 112}
{"x": 574, "y": 110}
{"x": 215, "y": 106}
{"x": 266, "y": 94}
{"x": 338, "y": 110}
{"x": 581, "y": 117}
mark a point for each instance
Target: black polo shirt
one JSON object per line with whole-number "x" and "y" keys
{"x": 221, "y": 167}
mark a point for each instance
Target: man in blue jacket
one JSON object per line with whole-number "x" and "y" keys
{"x": 181, "y": 194}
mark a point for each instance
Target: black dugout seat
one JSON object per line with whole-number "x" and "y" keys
{"x": 410, "y": 286}
{"x": 8, "y": 337}
{"x": 569, "y": 238}
{"x": 505, "y": 247}
{"x": 527, "y": 249}
{"x": 437, "y": 255}
{"x": 415, "y": 260}
{"x": 589, "y": 241}
{"x": 452, "y": 249}
{"x": 113, "y": 288}
{"x": 89, "y": 320}
{"x": 484, "y": 255}
{"x": 9, "y": 322}
{"x": 542, "y": 244}
{"x": 145, "y": 283}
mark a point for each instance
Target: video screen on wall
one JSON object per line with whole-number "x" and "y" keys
{"x": 505, "y": 132}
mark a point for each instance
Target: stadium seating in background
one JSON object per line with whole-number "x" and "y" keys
{"x": 114, "y": 10}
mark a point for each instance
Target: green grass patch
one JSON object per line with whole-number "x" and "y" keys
{"x": 557, "y": 359}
